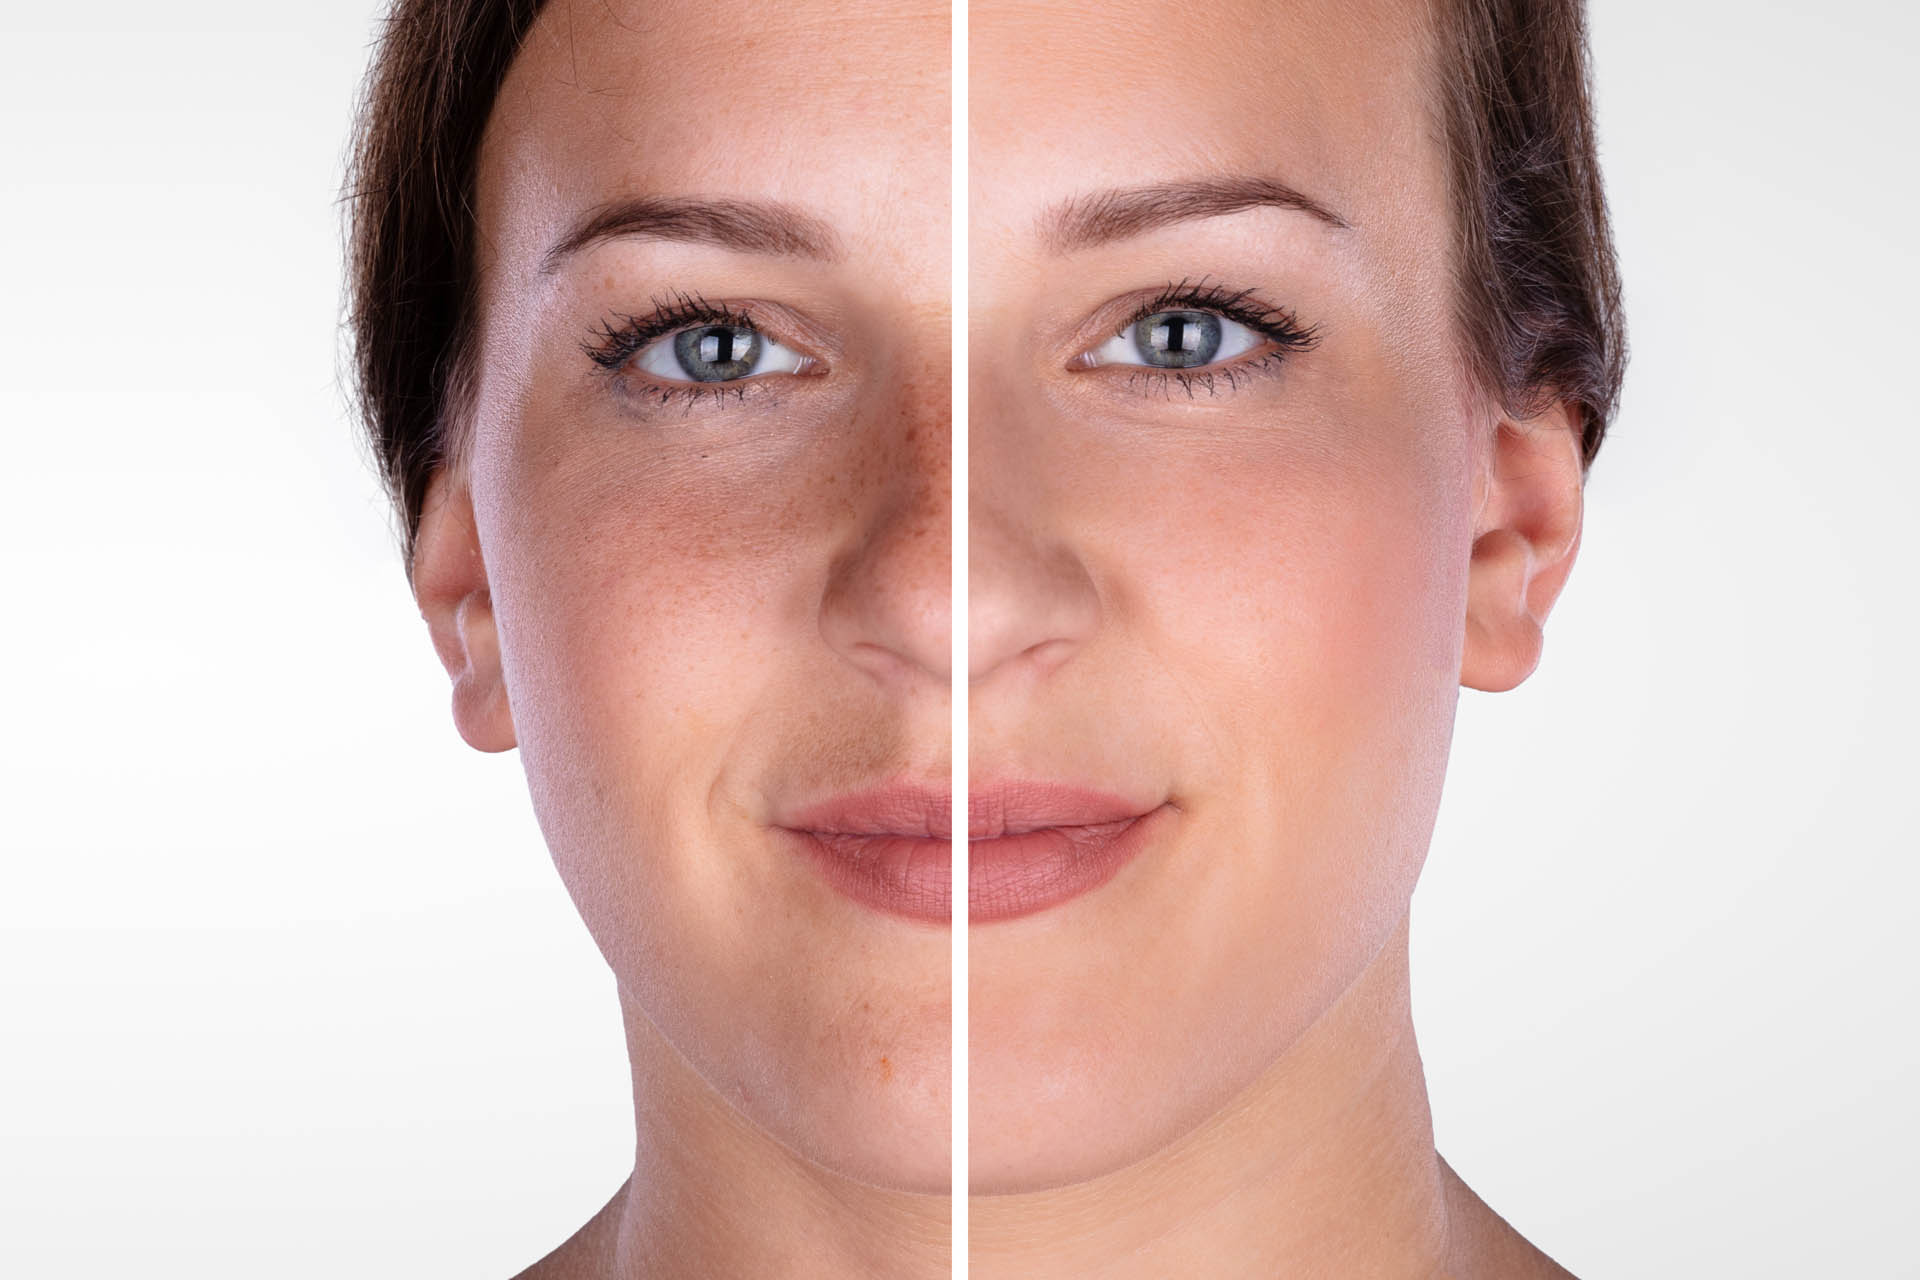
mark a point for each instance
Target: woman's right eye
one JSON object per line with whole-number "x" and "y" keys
{"x": 717, "y": 353}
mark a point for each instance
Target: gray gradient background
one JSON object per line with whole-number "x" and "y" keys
{"x": 286, "y": 979}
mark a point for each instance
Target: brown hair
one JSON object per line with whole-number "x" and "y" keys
{"x": 1537, "y": 296}
{"x": 1536, "y": 288}
{"x": 410, "y": 239}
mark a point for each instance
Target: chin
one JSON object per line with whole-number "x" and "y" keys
{"x": 869, "y": 1101}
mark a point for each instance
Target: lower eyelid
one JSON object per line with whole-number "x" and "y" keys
{"x": 1203, "y": 381}
{"x": 650, "y": 396}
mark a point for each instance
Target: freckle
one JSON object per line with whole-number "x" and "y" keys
{"x": 886, "y": 1068}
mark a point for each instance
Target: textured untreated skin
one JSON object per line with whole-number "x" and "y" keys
{"x": 708, "y": 612}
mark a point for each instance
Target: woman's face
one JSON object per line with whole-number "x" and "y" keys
{"x": 708, "y": 470}
{"x": 1219, "y": 569}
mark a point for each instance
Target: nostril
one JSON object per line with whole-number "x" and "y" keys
{"x": 887, "y": 606}
{"x": 1036, "y": 659}
{"x": 1030, "y": 605}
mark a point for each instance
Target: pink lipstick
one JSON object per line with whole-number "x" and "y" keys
{"x": 888, "y": 847}
{"x": 1031, "y": 846}
{"x": 1035, "y": 845}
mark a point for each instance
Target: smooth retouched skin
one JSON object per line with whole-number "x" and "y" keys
{"x": 693, "y": 617}
{"x": 1253, "y": 601}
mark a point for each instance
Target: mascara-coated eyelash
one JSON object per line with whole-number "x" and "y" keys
{"x": 691, "y": 347}
{"x": 1197, "y": 332}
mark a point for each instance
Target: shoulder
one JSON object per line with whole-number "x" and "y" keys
{"x": 588, "y": 1253}
{"x": 1484, "y": 1246}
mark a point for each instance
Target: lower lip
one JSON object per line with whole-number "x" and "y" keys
{"x": 1007, "y": 876}
{"x": 910, "y": 876}
{"x": 1017, "y": 875}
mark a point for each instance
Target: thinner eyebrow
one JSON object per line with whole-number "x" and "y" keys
{"x": 743, "y": 225}
{"x": 1105, "y": 216}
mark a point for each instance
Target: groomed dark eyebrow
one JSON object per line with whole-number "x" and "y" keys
{"x": 747, "y": 226}
{"x": 1105, "y": 216}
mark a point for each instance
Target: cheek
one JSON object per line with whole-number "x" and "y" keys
{"x": 1310, "y": 582}
{"x": 649, "y": 588}
{"x": 1310, "y": 624}
{"x": 633, "y": 602}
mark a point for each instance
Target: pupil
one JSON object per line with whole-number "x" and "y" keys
{"x": 1178, "y": 339}
{"x": 717, "y": 352}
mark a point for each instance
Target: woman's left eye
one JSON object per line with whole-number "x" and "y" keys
{"x": 717, "y": 353}
{"x": 1175, "y": 340}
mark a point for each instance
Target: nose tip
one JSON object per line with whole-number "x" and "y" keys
{"x": 889, "y": 600}
{"x": 1028, "y": 605}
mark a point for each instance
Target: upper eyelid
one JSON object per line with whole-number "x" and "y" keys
{"x": 1242, "y": 306}
{"x": 1115, "y": 317}
{"x": 783, "y": 324}
{"x": 1112, "y": 317}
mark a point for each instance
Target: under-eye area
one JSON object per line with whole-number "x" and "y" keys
{"x": 689, "y": 352}
{"x": 1191, "y": 339}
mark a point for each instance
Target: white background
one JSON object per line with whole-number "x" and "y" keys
{"x": 1666, "y": 974}
{"x": 287, "y": 981}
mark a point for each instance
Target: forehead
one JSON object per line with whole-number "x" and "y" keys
{"x": 1329, "y": 96}
{"x": 833, "y": 107}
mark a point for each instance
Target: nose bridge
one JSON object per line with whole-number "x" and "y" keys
{"x": 887, "y": 606}
{"x": 1031, "y": 602}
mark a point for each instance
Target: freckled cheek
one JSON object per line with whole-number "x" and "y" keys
{"x": 642, "y": 598}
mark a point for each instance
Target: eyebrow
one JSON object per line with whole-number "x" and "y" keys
{"x": 1102, "y": 217}
{"x": 744, "y": 225}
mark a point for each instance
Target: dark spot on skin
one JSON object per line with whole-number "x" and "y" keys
{"x": 886, "y": 1068}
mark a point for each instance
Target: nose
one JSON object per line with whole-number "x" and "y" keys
{"x": 888, "y": 606}
{"x": 1030, "y": 600}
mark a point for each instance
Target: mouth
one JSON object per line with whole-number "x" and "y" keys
{"x": 1031, "y": 846}
{"x": 1035, "y": 845}
{"x": 888, "y": 847}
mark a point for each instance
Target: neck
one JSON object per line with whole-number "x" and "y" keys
{"x": 1324, "y": 1166}
{"x": 712, "y": 1194}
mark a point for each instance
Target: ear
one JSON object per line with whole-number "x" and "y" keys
{"x": 1526, "y": 531}
{"x": 450, "y": 586}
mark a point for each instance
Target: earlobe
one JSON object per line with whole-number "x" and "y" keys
{"x": 1525, "y": 537}
{"x": 450, "y": 585}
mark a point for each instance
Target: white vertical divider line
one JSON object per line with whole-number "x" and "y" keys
{"x": 958, "y": 259}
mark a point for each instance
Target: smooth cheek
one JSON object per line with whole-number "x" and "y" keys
{"x": 1320, "y": 608}
{"x": 1285, "y": 602}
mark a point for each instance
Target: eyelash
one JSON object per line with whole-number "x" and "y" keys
{"x": 621, "y": 337}
{"x": 1276, "y": 324}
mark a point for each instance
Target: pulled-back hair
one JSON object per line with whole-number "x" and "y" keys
{"x": 1537, "y": 294}
{"x": 410, "y": 240}
{"x": 1536, "y": 288}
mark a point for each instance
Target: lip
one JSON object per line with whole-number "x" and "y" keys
{"x": 1031, "y": 846}
{"x": 1035, "y": 845}
{"x": 888, "y": 847}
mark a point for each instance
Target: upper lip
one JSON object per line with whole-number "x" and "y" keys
{"x": 898, "y": 808}
{"x": 1015, "y": 807}
{"x": 923, "y": 811}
